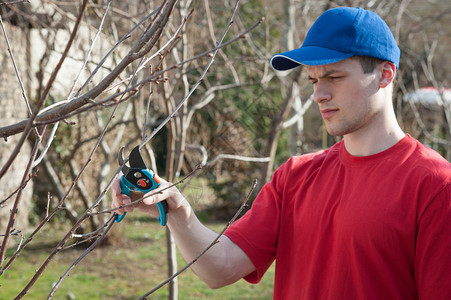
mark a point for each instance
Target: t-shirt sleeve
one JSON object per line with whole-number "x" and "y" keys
{"x": 257, "y": 231}
{"x": 433, "y": 248}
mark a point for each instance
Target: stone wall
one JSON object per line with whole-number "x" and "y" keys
{"x": 13, "y": 109}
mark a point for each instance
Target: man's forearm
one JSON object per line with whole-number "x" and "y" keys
{"x": 222, "y": 264}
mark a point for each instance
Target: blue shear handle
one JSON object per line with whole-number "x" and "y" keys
{"x": 125, "y": 189}
{"x": 120, "y": 217}
{"x": 162, "y": 216}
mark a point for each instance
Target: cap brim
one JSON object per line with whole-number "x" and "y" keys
{"x": 307, "y": 55}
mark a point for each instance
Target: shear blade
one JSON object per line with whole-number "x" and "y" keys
{"x": 136, "y": 161}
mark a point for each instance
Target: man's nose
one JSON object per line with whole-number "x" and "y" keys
{"x": 321, "y": 92}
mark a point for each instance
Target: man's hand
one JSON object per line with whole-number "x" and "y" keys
{"x": 165, "y": 191}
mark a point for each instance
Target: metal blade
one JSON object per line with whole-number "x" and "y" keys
{"x": 136, "y": 161}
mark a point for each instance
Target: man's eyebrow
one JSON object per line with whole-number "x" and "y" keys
{"x": 328, "y": 73}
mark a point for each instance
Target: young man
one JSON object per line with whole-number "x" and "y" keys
{"x": 368, "y": 218}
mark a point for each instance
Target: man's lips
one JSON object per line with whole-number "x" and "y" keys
{"x": 328, "y": 112}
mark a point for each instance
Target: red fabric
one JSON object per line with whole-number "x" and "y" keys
{"x": 344, "y": 227}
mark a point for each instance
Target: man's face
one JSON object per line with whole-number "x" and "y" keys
{"x": 346, "y": 96}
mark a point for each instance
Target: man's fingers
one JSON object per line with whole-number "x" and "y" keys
{"x": 119, "y": 199}
{"x": 127, "y": 201}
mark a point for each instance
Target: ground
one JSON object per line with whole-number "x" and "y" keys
{"x": 132, "y": 266}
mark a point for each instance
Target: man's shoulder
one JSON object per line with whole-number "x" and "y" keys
{"x": 425, "y": 156}
{"x": 313, "y": 160}
{"x": 425, "y": 162}
{"x": 320, "y": 154}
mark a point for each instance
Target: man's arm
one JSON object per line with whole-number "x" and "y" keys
{"x": 433, "y": 248}
{"x": 221, "y": 265}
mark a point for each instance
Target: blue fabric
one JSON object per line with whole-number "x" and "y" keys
{"x": 340, "y": 33}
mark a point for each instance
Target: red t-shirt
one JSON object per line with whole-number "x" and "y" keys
{"x": 345, "y": 227}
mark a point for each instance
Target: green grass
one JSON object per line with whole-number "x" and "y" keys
{"x": 124, "y": 271}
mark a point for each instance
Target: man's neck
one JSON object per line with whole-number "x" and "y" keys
{"x": 369, "y": 143}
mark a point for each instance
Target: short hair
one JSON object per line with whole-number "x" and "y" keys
{"x": 368, "y": 63}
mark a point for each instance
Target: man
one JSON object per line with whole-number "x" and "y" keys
{"x": 368, "y": 218}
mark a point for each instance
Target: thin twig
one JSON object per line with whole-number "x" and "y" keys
{"x": 47, "y": 145}
{"x": 24, "y": 94}
{"x": 77, "y": 243}
{"x": 49, "y": 197}
{"x": 15, "y": 206}
{"x": 14, "y": 2}
{"x": 22, "y": 186}
{"x": 185, "y": 99}
{"x": 174, "y": 36}
{"x": 90, "y": 234}
{"x": 13, "y": 232}
{"x": 101, "y": 237}
{"x": 126, "y": 36}
{"x": 99, "y": 29}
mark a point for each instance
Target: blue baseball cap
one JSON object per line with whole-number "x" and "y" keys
{"x": 340, "y": 33}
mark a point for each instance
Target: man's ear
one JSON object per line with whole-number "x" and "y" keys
{"x": 388, "y": 71}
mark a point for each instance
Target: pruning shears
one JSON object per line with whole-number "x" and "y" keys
{"x": 138, "y": 178}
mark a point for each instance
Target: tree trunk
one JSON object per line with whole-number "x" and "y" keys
{"x": 170, "y": 244}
